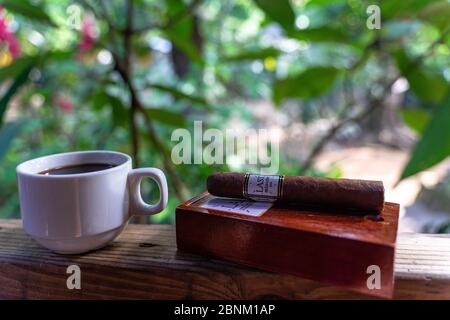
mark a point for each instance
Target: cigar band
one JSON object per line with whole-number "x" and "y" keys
{"x": 263, "y": 187}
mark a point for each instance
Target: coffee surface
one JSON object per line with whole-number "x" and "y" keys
{"x": 77, "y": 168}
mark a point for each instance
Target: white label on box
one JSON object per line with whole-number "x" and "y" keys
{"x": 240, "y": 206}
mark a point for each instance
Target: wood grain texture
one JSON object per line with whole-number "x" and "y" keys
{"x": 328, "y": 246}
{"x": 143, "y": 263}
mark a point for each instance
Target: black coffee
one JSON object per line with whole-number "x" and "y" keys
{"x": 77, "y": 168}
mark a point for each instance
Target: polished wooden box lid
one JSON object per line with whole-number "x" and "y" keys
{"x": 335, "y": 247}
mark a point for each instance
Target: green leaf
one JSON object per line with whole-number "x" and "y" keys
{"x": 101, "y": 99}
{"x": 437, "y": 14}
{"x": 239, "y": 11}
{"x": 427, "y": 86}
{"x": 180, "y": 38}
{"x": 259, "y": 54}
{"x": 320, "y": 34}
{"x": 57, "y": 55}
{"x": 14, "y": 68}
{"x": 323, "y": 2}
{"x": 181, "y": 33}
{"x": 443, "y": 228}
{"x": 435, "y": 143}
{"x": 279, "y": 11}
{"x": 15, "y": 86}
{"x": 28, "y": 10}
{"x": 416, "y": 119}
{"x": 180, "y": 94}
{"x": 311, "y": 83}
{"x": 7, "y": 134}
{"x": 403, "y": 8}
{"x": 167, "y": 117}
{"x": 119, "y": 111}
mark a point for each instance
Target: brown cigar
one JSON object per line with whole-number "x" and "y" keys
{"x": 364, "y": 195}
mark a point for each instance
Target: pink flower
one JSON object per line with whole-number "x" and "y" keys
{"x": 64, "y": 104}
{"x": 7, "y": 37}
{"x": 88, "y": 34}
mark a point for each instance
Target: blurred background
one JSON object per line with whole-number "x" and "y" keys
{"x": 358, "y": 89}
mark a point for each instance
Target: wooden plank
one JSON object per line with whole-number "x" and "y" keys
{"x": 143, "y": 263}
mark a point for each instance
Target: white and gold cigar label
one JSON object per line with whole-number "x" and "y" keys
{"x": 263, "y": 187}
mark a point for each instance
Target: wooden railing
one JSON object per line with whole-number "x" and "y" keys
{"x": 143, "y": 263}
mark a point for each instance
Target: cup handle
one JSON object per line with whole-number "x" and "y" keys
{"x": 137, "y": 204}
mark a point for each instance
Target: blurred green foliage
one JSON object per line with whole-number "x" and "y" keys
{"x": 99, "y": 75}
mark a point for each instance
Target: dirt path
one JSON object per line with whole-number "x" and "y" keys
{"x": 381, "y": 163}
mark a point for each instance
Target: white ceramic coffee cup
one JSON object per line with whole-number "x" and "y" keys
{"x": 76, "y": 213}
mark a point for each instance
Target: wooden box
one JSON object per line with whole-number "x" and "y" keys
{"x": 351, "y": 251}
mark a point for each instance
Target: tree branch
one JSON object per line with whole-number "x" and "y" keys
{"x": 127, "y": 69}
{"x": 178, "y": 184}
{"x": 111, "y": 27}
{"x": 179, "y": 187}
{"x": 124, "y": 67}
{"x": 374, "y": 104}
{"x": 171, "y": 21}
{"x": 334, "y": 130}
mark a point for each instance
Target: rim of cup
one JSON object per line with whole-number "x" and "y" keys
{"x": 24, "y": 168}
